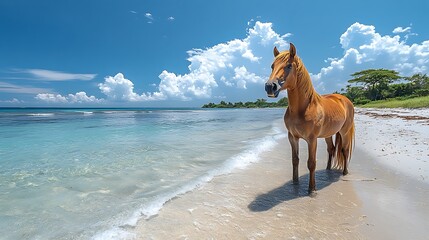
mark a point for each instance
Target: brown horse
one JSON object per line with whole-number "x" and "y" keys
{"x": 310, "y": 115}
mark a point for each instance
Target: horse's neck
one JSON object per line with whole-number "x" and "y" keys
{"x": 299, "y": 99}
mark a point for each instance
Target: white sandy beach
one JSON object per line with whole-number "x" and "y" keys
{"x": 383, "y": 197}
{"x": 398, "y": 138}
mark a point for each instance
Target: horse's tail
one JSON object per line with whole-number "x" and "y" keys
{"x": 341, "y": 156}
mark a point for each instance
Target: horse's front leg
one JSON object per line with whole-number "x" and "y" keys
{"x": 311, "y": 164}
{"x": 294, "y": 143}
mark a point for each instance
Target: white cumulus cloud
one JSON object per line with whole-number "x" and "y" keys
{"x": 80, "y": 97}
{"x": 51, "y": 98}
{"x": 184, "y": 87}
{"x": 365, "y": 48}
{"x": 118, "y": 88}
{"x": 242, "y": 76}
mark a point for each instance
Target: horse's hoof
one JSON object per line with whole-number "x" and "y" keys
{"x": 312, "y": 193}
{"x": 345, "y": 172}
{"x": 295, "y": 182}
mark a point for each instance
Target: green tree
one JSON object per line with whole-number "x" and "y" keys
{"x": 239, "y": 105}
{"x": 399, "y": 90}
{"x": 420, "y": 84}
{"x": 209, "y": 105}
{"x": 375, "y": 81}
{"x": 250, "y": 105}
{"x": 260, "y": 103}
{"x": 355, "y": 93}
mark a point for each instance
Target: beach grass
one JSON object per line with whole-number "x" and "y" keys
{"x": 417, "y": 102}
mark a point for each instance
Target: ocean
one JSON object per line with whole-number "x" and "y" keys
{"x": 94, "y": 173}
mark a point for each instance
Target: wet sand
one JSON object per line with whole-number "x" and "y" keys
{"x": 375, "y": 201}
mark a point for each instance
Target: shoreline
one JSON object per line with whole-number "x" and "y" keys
{"x": 260, "y": 201}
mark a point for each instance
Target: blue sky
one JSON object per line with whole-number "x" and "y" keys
{"x": 176, "y": 53}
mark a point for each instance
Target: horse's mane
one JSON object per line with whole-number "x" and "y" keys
{"x": 304, "y": 81}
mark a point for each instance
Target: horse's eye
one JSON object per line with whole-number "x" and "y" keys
{"x": 289, "y": 66}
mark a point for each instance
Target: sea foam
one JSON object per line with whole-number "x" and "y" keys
{"x": 41, "y": 114}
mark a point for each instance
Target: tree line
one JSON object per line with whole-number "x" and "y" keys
{"x": 259, "y": 103}
{"x": 379, "y": 84}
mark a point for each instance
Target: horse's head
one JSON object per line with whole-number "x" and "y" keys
{"x": 284, "y": 72}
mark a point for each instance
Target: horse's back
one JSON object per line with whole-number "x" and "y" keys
{"x": 338, "y": 104}
{"x": 337, "y": 98}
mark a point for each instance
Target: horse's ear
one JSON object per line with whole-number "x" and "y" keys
{"x": 292, "y": 50}
{"x": 276, "y": 52}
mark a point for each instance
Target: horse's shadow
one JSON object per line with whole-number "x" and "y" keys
{"x": 291, "y": 190}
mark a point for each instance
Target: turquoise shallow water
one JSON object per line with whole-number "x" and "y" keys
{"x": 93, "y": 173}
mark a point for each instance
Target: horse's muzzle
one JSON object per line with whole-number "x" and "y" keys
{"x": 272, "y": 89}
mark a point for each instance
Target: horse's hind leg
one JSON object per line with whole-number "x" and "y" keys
{"x": 345, "y": 170}
{"x": 345, "y": 150}
{"x": 331, "y": 151}
{"x": 294, "y": 143}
